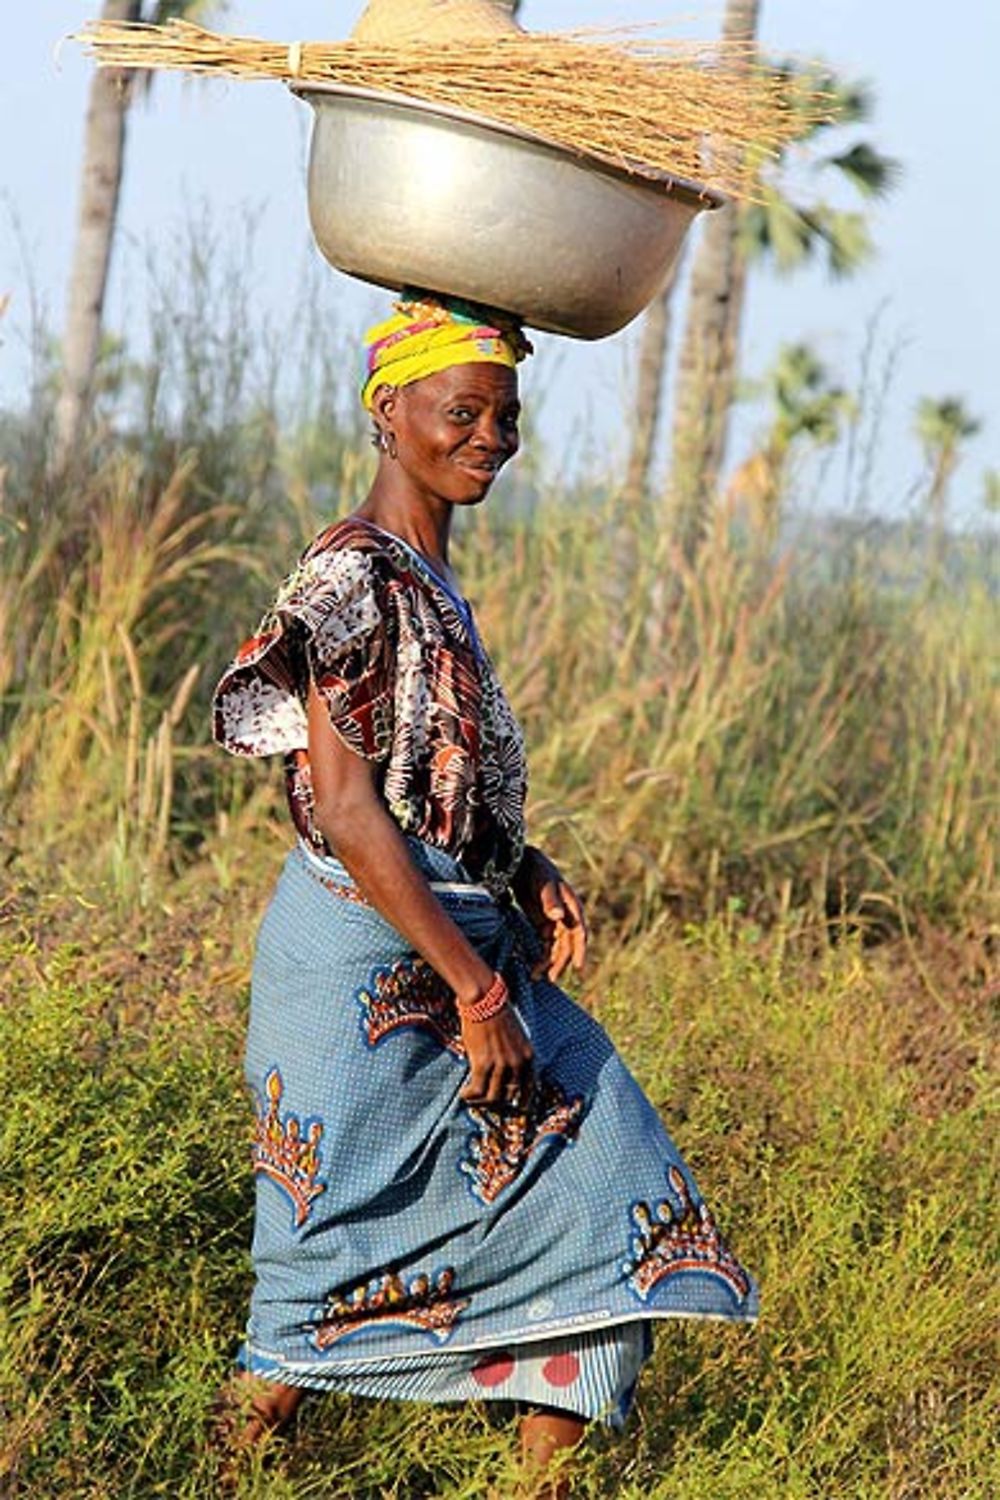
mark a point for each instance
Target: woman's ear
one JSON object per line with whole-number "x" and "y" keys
{"x": 384, "y": 405}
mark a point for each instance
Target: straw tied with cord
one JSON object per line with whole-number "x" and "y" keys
{"x": 704, "y": 110}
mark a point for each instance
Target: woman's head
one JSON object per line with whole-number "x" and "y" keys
{"x": 441, "y": 386}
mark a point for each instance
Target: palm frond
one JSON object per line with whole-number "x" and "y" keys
{"x": 844, "y": 236}
{"x": 871, "y": 173}
{"x": 774, "y": 228}
{"x": 943, "y": 422}
{"x": 849, "y": 101}
{"x": 852, "y": 100}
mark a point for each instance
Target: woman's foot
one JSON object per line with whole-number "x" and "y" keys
{"x": 546, "y": 1435}
{"x": 249, "y": 1409}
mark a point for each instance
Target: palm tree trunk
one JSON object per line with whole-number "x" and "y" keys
{"x": 100, "y": 187}
{"x": 707, "y": 363}
{"x": 937, "y": 508}
{"x": 650, "y": 376}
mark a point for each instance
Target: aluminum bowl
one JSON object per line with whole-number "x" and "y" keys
{"x": 404, "y": 193}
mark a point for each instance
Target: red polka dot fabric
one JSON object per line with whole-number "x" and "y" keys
{"x": 592, "y": 1374}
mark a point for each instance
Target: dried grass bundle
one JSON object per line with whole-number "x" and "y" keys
{"x": 708, "y": 111}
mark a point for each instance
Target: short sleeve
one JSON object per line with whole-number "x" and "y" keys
{"x": 328, "y": 623}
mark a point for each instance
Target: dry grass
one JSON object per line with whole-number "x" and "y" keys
{"x": 813, "y": 734}
{"x": 773, "y": 751}
{"x": 704, "y": 111}
{"x": 855, "y": 1175}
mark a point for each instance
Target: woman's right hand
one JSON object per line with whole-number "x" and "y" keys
{"x": 500, "y": 1058}
{"x": 349, "y": 811}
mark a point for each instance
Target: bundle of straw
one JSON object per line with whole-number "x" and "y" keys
{"x": 433, "y": 20}
{"x": 699, "y": 110}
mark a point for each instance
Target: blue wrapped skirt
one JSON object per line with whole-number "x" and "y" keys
{"x": 409, "y": 1245}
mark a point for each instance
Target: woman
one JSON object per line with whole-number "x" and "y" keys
{"x": 462, "y": 1193}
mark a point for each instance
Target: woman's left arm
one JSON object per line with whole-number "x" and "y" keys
{"x": 555, "y": 911}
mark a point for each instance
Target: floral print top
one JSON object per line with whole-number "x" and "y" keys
{"x": 406, "y": 685}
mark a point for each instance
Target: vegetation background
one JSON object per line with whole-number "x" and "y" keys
{"x": 766, "y": 751}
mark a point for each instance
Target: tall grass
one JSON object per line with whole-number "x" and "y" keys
{"x": 731, "y": 730}
{"x": 775, "y": 729}
{"x": 754, "y": 765}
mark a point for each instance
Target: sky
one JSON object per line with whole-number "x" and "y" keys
{"x": 230, "y": 148}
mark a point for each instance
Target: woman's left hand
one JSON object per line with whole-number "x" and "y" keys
{"x": 555, "y": 911}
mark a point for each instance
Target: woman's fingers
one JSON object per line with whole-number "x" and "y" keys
{"x": 575, "y": 923}
{"x": 500, "y": 1062}
{"x": 565, "y": 934}
{"x": 510, "y": 1086}
{"x": 479, "y": 1086}
{"x": 578, "y": 925}
{"x": 563, "y": 945}
{"x": 578, "y": 947}
{"x": 557, "y": 914}
{"x": 551, "y": 901}
{"x": 560, "y": 951}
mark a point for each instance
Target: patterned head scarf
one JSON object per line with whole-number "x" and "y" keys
{"x": 425, "y": 335}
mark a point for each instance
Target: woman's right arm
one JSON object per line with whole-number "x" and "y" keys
{"x": 353, "y": 819}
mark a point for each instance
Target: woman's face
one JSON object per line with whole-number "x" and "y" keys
{"x": 454, "y": 430}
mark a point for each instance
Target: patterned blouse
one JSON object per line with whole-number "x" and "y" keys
{"x": 395, "y": 657}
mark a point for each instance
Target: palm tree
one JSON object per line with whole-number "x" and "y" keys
{"x": 717, "y": 264}
{"x": 778, "y": 230}
{"x": 739, "y": 25}
{"x": 805, "y": 405}
{"x": 650, "y": 379}
{"x": 942, "y": 427}
{"x": 111, "y": 93}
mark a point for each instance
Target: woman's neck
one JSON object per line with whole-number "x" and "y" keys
{"x": 424, "y": 525}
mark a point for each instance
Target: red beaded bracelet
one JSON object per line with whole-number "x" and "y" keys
{"x": 489, "y": 1004}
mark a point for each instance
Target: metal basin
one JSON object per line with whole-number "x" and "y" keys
{"x": 403, "y": 193}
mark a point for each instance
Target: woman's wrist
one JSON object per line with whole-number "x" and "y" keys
{"x": 489, "y": 1004}
{"x": 471, "y": 990}
{"x": 524, "y": 874}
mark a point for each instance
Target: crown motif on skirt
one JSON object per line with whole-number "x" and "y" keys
{"x": 408, "y": 992}
{"x": 287, "y": 1150}
{"x": 424, "y": 1303}
{"x": 667, "y": 1241}
{"x": 506, "y": 1137}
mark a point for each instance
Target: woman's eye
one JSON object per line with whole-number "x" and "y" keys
{"x": 463, "y": 414}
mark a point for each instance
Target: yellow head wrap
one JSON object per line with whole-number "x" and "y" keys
{"x": 424, "y": 336}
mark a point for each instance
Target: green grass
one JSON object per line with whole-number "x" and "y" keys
{"x": 837, "y": 1117}
{"x": 774, "y": 779}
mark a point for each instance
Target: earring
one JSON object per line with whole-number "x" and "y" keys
{"x": 389, "y": 444}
